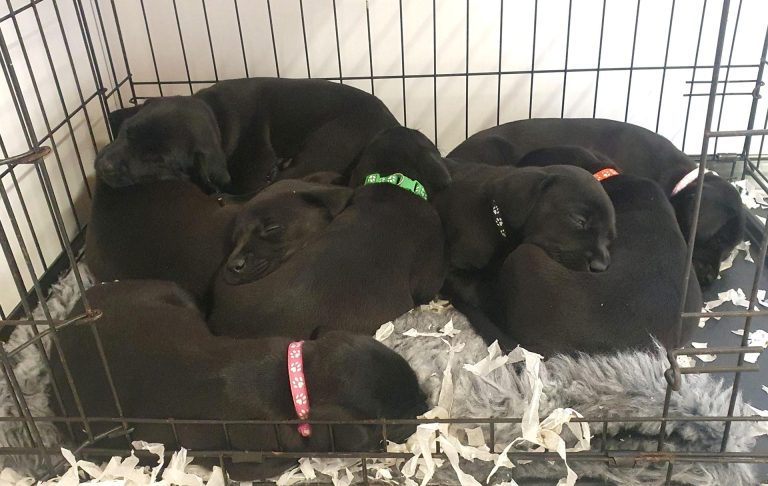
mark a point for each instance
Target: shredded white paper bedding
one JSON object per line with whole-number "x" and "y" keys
{"x": 752, "y": 196}
{"x": 457, "y": 442}
{"x": 756, "y": 338}
{"x": 126, "y": 471}
{"x": 538, "y": 435}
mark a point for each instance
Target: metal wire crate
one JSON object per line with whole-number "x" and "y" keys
{"x": 67, "y": 64}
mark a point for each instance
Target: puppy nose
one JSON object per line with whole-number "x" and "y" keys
{"x": 600, "y": 263}
{"x": 705, "y": 273}
{"x": 237, "y": 264}
{"x": 106, "y": 164}
{"x": 109, "y": 169}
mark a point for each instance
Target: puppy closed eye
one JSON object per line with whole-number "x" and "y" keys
{"x": 579, "y": 221}
{"x": 272, "y": 231}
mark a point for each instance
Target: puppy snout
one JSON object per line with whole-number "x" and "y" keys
{"x": 107, "y": 165}
{"x": 601, "y": 262}
{"x": 112, "y": 171}
{"x": 705, "y": 272}
{"x": 236, "y": 264}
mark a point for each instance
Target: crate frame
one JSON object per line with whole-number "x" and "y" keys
{"x": 109, "y": 91}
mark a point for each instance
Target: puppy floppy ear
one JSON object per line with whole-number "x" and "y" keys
{"x": 210, "y": 169}
{"x": 334, "y": 198}
{"x": 118, "y": 117}
{"x": 325, "y": 177}
{"x": 518, "y": 193}
{"x": 210, "y": 157}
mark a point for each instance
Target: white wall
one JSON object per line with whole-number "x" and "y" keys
{"x": 548, "y": 99}
{"x": 63, "y": 165}
{"x": 484, "y": 24}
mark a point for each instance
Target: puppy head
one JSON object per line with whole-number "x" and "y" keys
{"x": 360, "y": 378}
{"x": 174, "y": 138}
{"x": 563, "y": 210}
{"x": 277, "y": 222}
{"x": 406, "y": 151}
{"x": 720, "y": 228}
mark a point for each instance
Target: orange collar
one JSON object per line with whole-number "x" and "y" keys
{"x": 603, "y": 174}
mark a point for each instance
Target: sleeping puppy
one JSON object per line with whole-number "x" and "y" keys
{"x": 636, "y": 151}
{"x": 376, "y": 260}
{"x": 550, "y": 309}
{"x": 487, "y": 211}
{"x": 238, "y": 135}
{"x": 165, "y": 363}
{"x": 174, "y": 138}
{"x": 278, "y": 222}
{"x": 167, "y": 230}
{"x": 171, "y": 230}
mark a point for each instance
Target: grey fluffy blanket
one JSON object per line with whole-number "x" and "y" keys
{"x": 628, "y": 383}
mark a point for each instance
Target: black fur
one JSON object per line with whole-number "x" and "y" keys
{"x": 167, "y": 230}
{"x": 175, "y": 138}
{"x": 165, "y": 363}
{"x": 238, "y": 135}
{"x": 562, "y": 209}
{"x": 278, "y": 222}
{"x": 549, "y": 309}
{"x": 636, "y": 151}
{"x": 377, "y": 259}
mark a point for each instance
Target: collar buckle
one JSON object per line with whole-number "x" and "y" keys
{"x": 400, "y": 180}
{"x": 605, "y": 173}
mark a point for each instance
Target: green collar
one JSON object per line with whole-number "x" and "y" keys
{"x": 399, "y": 180}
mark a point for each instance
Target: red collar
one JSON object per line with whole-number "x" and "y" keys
{"x": 298, "y": 386}
{"x": 603, "y": 174}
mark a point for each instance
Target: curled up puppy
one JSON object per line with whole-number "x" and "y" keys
{"x": 635, "y": 151}
{"x": 167, "y": 230}
{"x": 488, "y": 211}
{"x": 165, "y": 364}
{"x": 378, "y": 258}
{"x": 239, "y": 135}
{"x": 550, "y": 309}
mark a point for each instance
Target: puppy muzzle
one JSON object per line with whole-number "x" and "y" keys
{"x": 706, "y": 272}
{"x": 244, "y": 268}
{"x": 113, "y": 172}
{"x": 600, "y": 263}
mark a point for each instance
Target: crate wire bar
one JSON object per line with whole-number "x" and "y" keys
{"x": 70, "y": 125}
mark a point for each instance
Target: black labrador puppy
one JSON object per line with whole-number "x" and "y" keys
{"x": 171, "y": 230}
{"x": 166, "y": 364}
{"x": 376, "y": 260}
{"x": 549, "y": 309}
{"x": 168, "y": 230}
{"x": 487, "y": 211}
{"x": 279, "y": 221}
{"x": 636, "y": 151}
{"x": 238, "y": 135}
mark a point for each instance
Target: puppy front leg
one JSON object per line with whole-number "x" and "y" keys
{"x": 254, "y": 163}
